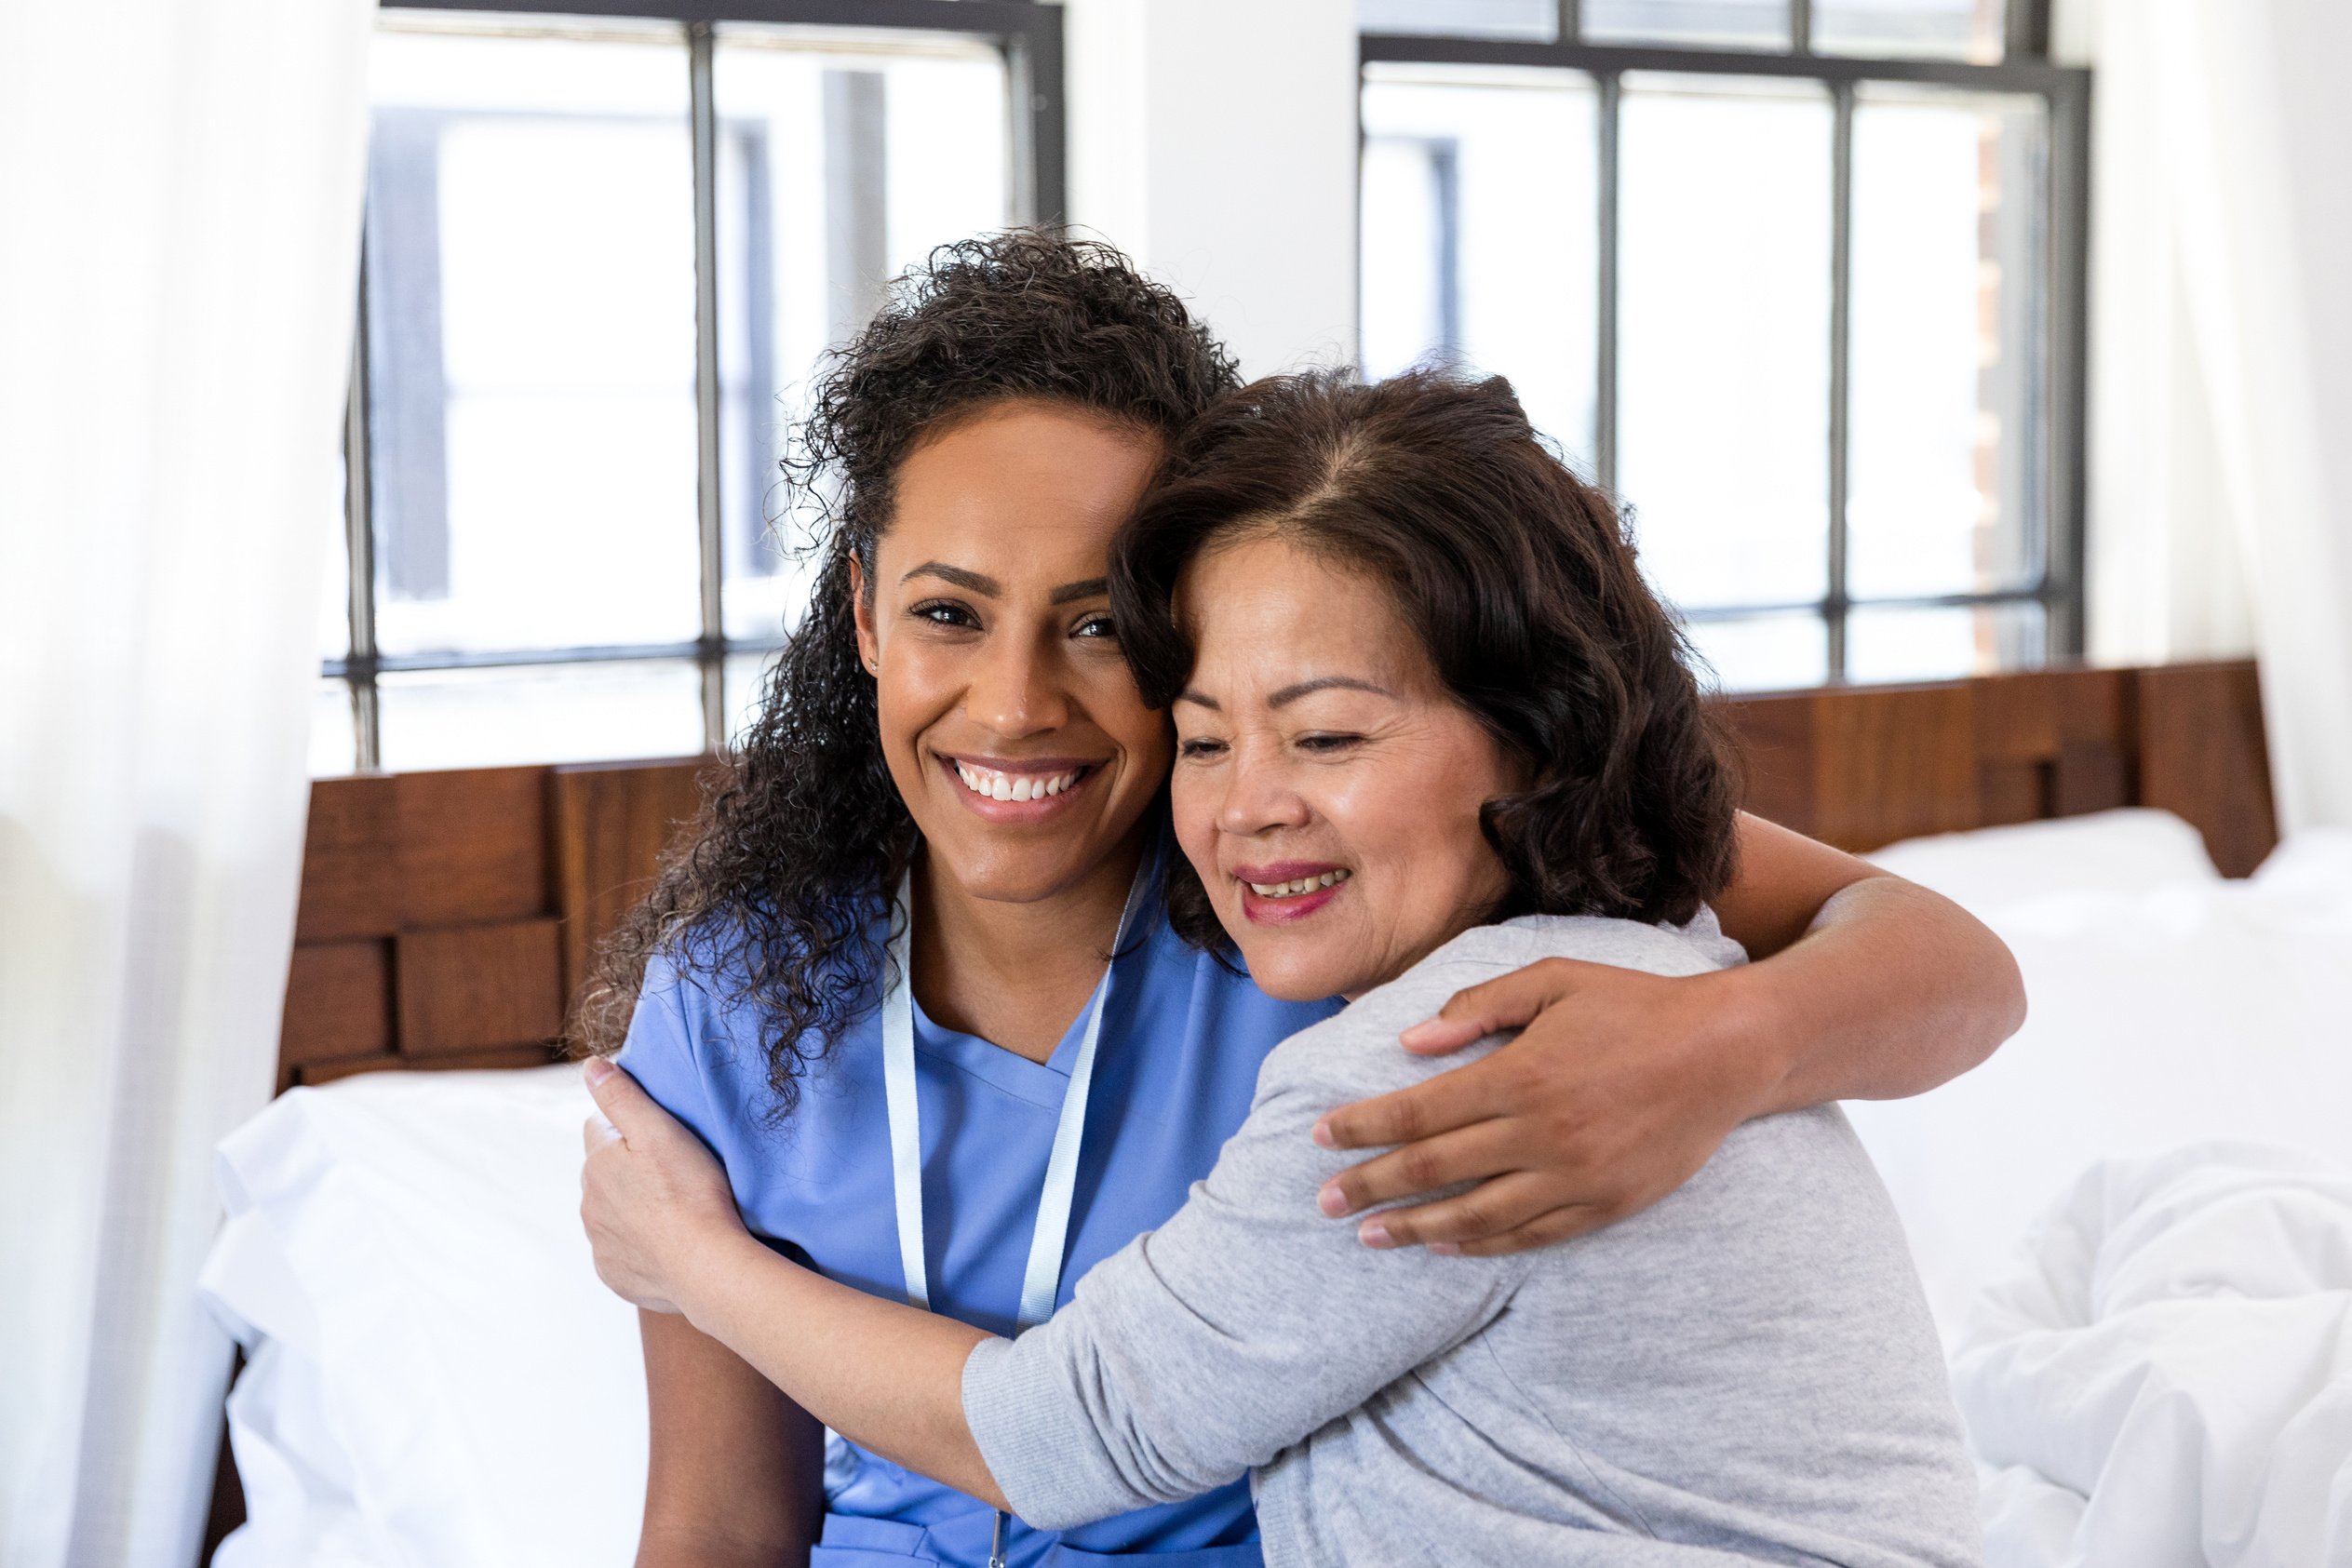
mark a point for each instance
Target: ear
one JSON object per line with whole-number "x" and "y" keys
{"x": 870, "y": 647}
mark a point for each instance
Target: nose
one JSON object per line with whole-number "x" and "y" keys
{"x": 1018, "y": 689}
{"x": 1260, "y": 794}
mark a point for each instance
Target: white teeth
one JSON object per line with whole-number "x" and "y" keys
{"x": 993, "y": 786}
{"x": 1300, "y": 885}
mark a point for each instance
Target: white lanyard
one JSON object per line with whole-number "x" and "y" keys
{"x": 1042, "y": 1280}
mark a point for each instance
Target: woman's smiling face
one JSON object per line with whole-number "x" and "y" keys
{"x": 1327, "y": 786}
{"x": 1008, "y": 717}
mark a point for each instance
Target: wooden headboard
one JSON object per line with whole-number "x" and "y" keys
{"x": 447, "y": 918}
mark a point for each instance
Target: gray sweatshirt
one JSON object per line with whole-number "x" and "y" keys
{"x": 1745, "y": 1372}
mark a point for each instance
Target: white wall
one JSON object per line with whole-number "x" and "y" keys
{"x": 1215, "y": 140}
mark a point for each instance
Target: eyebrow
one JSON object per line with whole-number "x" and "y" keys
{"x": 1293, "y": 693}
{"x": 989, "y": 587}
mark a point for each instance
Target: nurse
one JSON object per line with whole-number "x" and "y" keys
{"x": 914, "y": 983}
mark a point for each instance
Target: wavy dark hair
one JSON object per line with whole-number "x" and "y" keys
{"x": 770, "y": 904}
{"x": 1521, "y": 582}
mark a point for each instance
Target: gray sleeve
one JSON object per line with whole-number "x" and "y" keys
{"x": 1248, "y": 1319}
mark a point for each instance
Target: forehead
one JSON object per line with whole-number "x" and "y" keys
{"x": 1264, "y": 613}
{"x": 1018, "y": 489}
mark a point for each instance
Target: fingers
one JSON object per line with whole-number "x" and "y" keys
{"x": 1491, "y": 1209}
{"x": 1507, "y": 1002}
{"x": 1475, "y": 1092}
{"x": 616, "y": 1093}
{"x": 1554, "y": 1224}
{"x": 1486, "y": 1148}
{"x": 598, "y": 1131}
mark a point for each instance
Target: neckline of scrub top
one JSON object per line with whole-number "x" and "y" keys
{"x": 1042, "y": 1084}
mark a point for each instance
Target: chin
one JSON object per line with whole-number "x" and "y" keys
{"x": 1300, "y": 978}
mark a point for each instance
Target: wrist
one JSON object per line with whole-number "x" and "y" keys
{"x": 711, "y": 1266}
{"x": 1748, "y": 1020}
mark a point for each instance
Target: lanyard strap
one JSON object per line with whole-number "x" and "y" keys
{"x": 1043, "y": 1279}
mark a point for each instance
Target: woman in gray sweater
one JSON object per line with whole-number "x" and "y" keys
{"x": 1431, "y": 727}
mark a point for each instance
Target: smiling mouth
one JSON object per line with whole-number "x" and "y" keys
{"x": 990, "y": 783}
{"x": 1299, "y": 887}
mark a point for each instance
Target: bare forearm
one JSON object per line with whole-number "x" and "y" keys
{"x": 886, "y": 1376}
{"x": 1892, "y": 991}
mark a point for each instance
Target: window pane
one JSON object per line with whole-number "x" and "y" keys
{"x": 1723, "y": 343}
{"x": 1764, "y": 652}
{"x": 1463, "y": 18}
{"x": 334, "y": 735}
{"x": 1940, "y": 643}
{"x": 746, "y": 675}
{"x": 1731, "y": 23}
{"x": 838, "y": 167}
{"x": 543, "y": 713}
{"x": 1479, "y": 234}
{"x": 1945, "y": 464}
{"x": 531, "y": 303}
{"x": 1948, "y": 29}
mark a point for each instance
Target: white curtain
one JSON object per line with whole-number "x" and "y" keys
{"x": 2221, "y": 477}
{"x": 179, "y": 205}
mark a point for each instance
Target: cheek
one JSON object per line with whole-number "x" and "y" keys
{"x": 1192, "y": 802}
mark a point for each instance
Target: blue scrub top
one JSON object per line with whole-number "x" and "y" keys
{"x": 1177, "y": 1065}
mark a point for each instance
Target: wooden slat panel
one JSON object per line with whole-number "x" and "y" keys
{"x": 348, "y": 854}
{"x": 475, "y": 987}
{"x": 473, "y": 845}
{"x": 505, "y": 1056}
{"x": 1893, "y": 762}
{"x": 611, "y": 826}
{"x": 2201, "y": 756}
{"x": 338, "y": 1001}
{"x": 1776, "y": 750}
{"x": 2012, "y": 792}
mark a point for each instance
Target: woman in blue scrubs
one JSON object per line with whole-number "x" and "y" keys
{"x": 913, "y": 983}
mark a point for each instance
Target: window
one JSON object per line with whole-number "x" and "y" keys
{"x": 1800, "y": 281}
{"x": 603, "y": 258}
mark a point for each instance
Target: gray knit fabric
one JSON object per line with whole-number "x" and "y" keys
{"x": 1745, "y": 1372}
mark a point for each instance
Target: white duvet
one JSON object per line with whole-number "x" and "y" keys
{"x": 2165, "y": 1378}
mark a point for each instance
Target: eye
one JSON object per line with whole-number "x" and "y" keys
{"x": 1327, "y": 742}
{"x": 944, "y": 613}
{"x": 1099, "y": 626}
{"x": 1200, "y": 748}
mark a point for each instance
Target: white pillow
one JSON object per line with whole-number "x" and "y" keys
{"x": 2134, "y": 849}
{"x": 435, "y": 1374}
{"x": 2198, "y": 1009}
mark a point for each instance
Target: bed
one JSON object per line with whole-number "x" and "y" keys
{"x": 431, "y": 1374}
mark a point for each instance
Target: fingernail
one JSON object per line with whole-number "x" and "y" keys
{"x": 1332, "y": 1202}
{"x": 1323, "y": 1135}
{"x": 1446, "y": 1248}
{"x": 595, "y": 1070}
{"x": 1373, "y": 1233}
{"x": 1419, "y": 1033}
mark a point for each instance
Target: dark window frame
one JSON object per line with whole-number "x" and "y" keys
{"x": 1028, "y": 35}
{"x": 2025, "y": 69}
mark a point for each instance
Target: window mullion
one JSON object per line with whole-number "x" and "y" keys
{"x": 1570, "y": 29}
{"x": 1841, "y": 260}
{"x": 1608, "y": 99}
{"x": 702, "y": 113}
{"x": 359, "y": 547}
{"x": 1801, "y": 27}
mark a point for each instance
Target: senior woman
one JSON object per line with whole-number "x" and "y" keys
{"x": 1431, "y": 727}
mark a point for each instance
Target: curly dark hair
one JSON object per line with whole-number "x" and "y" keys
{"x": 1521, "y": 582}
{"x": 770, "y": 904}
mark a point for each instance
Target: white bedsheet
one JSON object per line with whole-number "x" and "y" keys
{"x": 2163, "y": 1012}
{"x": 2164, "y": 1380}
{"x": 436, "y": 1378}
